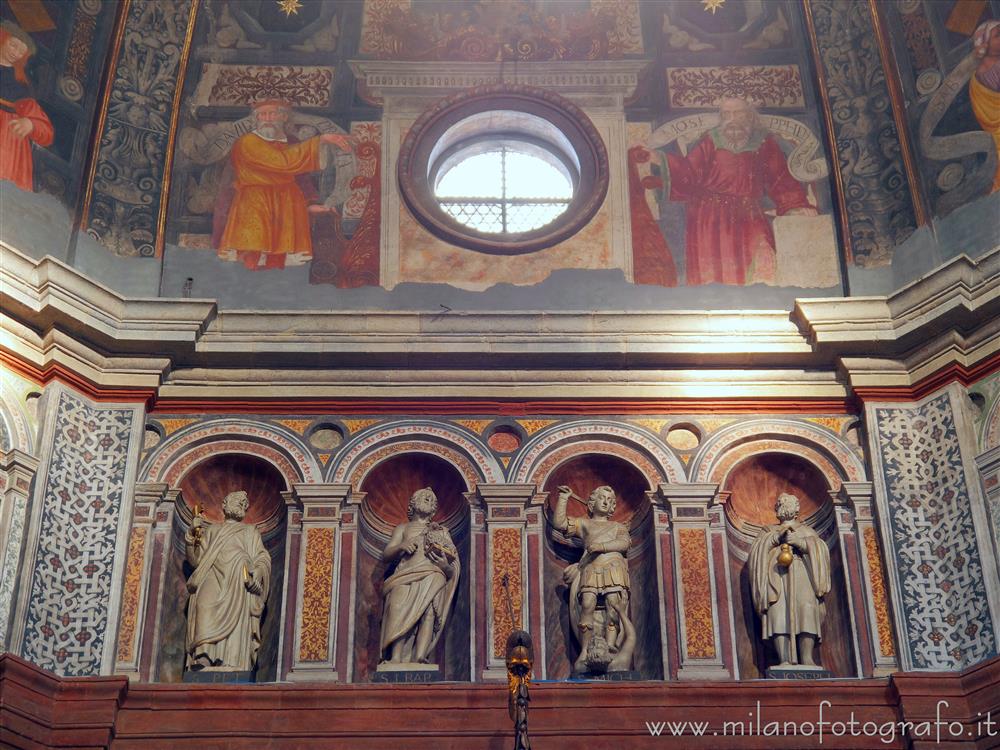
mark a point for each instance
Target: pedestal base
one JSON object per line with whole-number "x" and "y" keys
{"x": 216, "y": 676}
{"x": 797, "y": 672}
{"x": 394, "y": 672}
{"x": 702, "y": 672}
{"x": 624, "y": 676}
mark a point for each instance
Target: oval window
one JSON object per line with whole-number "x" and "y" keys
{"x": 503, "y": 169}
{"x": 503, "y": 186}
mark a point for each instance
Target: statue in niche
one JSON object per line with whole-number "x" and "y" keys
{"x": 789, "y": 576}
{"x": 598, "y": 584}
{"x": 228, "y": 588}
{"x": 417, "y": 596}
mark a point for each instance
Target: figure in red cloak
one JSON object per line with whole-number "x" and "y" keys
{"x": 22, "y": 121}
{"x": 724, "y": 180}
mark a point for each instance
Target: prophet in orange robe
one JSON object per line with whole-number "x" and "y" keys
{"x": 268, "y": 221}
{"x": 984, "y": 86}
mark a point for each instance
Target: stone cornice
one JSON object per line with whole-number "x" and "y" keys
{"x": 962, "y": 294}
{"x": 51, "y": 293}
{"x": 434, "y": 79}
{"x": 56, "y": 323}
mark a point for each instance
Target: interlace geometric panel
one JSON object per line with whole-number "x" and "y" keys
{"x": 81, "y": 508}
{"x": 933, "y": 539}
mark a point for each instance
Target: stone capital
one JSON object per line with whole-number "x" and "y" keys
{"x": 320, "y": 503}
{"x": 19, "y": 467}
{"x": 687, "y": 503}
{"x": 148, "y": 496}
{"x": 854, "y": 492}
{"x": 507, "y": 503}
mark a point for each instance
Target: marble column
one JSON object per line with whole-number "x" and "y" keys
{"x": 513, "y": 524}
{"x": 664, "y": 547}
{"x": 17, "y": 470}
{"x": 702, "y": 593}
{"x": 319, "y": 575}
{"x": 145, "y": 567}
{"x": 989, "y": 475}
{"x": 865, "y": 578}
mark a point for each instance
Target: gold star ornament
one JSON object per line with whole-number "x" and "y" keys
{"x": 713, "y": 5}
{"x": 291, "y": 7}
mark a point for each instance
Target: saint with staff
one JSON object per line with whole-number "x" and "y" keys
{"x": 228, "y": 589}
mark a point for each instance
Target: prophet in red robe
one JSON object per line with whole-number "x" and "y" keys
{"x": 729, "y": 239}
{"x": 22, "y": 121}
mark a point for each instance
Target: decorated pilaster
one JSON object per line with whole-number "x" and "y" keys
{"x": 940, "y": 563}
{"x": 725, "y": 597}
{"x": 321, "y": 573}
{"x": 665, "y": 585}
{"x": 17, "y": 470}
{"x": 513, "y": 525}
{"x": 144, "y": 570}
{"x": 700, "y": 581}
{"x": 67, "y": 615}
{"x": 865, "y": 578}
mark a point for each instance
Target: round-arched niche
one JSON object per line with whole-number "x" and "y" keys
{"x": 208, "y": 482}
{"x": 756, "y": 482}
{"x": 387, "y": 490}
{"x": 754, "y": 485}
{"x": 205, "y": 485}
{"x": 583, "y": 474}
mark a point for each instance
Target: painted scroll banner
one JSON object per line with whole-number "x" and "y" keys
{"x": 806, "y": 161}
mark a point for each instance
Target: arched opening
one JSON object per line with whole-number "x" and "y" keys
{"x": 206, "y": 485}
{"x": 388, "y": 488}
{"x": 583, "y": 474}
{"x": 755, "y": 483}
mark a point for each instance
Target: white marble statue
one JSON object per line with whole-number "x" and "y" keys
{"x": 598, "y": 584}
{"x": 228, "y": 589}
{"x": 789, "y": 576}
{"x": 418, "y": 595}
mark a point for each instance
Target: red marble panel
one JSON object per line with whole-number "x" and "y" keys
{"x": 40, "y": 710}
{"x": 344, "y": 594}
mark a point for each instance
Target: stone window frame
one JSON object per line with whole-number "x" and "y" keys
{"x": 575, "y": 140}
